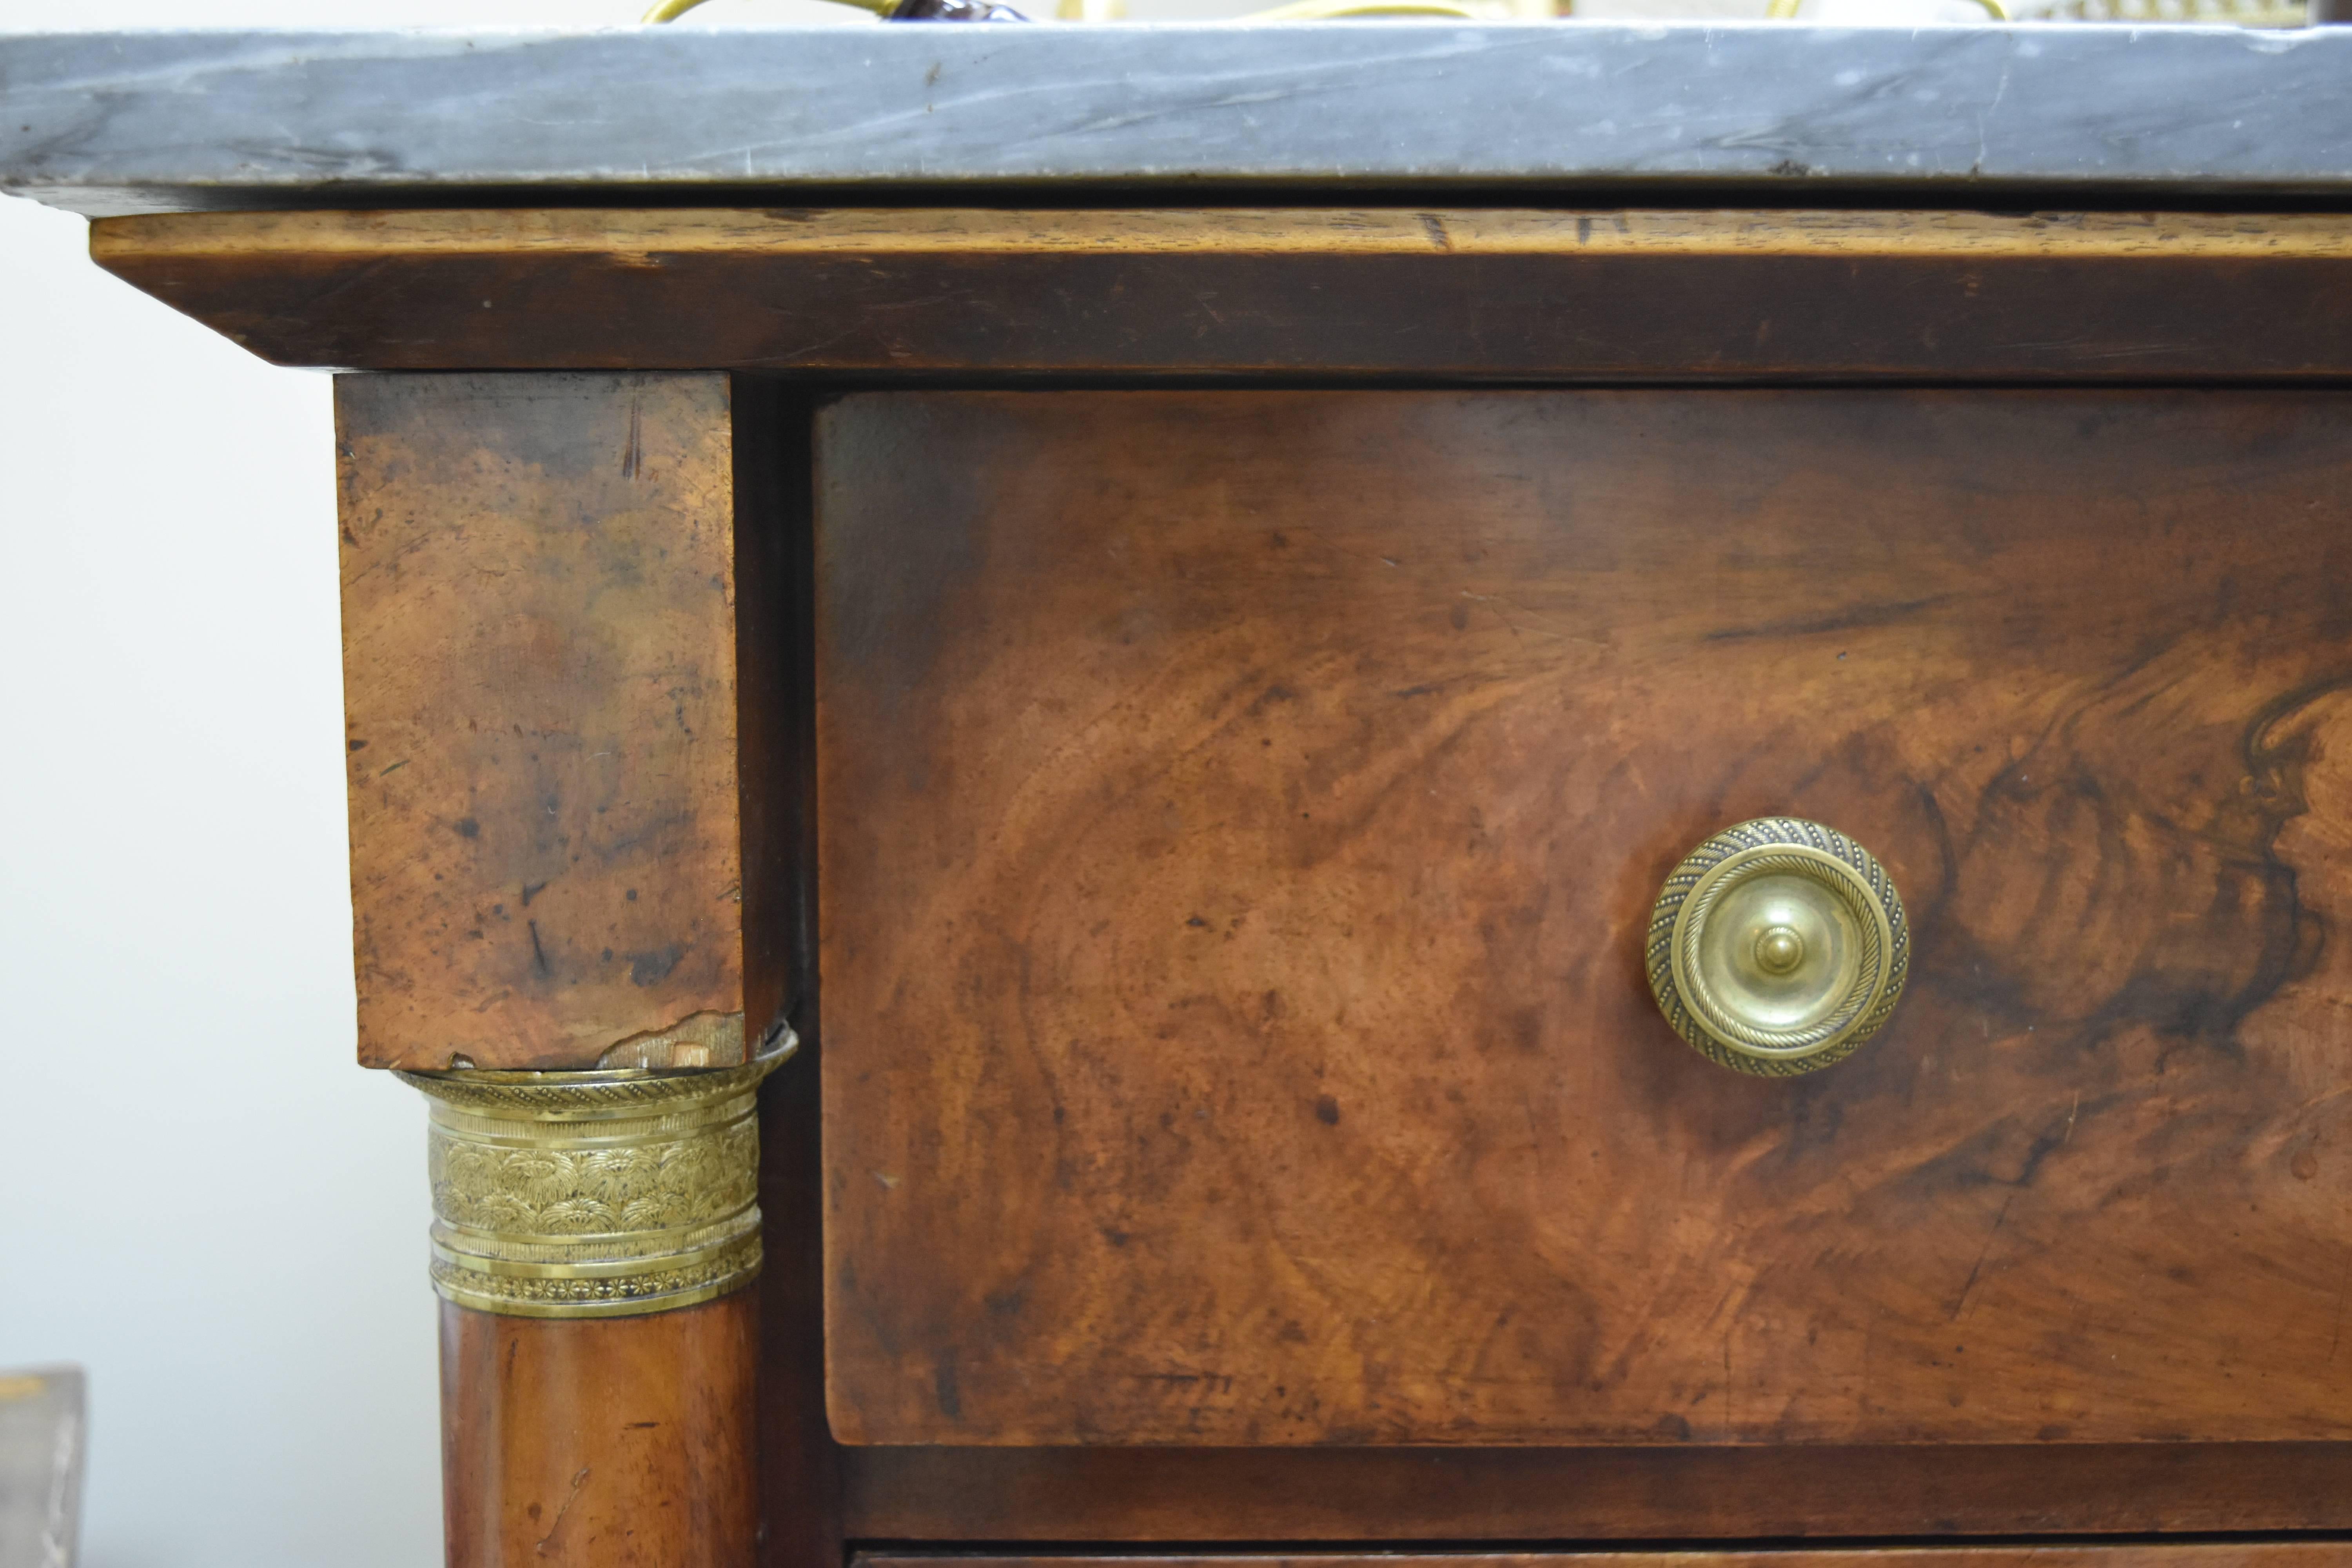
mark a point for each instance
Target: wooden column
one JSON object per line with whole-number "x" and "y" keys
{"x": 622, "y": 1441}
{"x": 575, "y": 900}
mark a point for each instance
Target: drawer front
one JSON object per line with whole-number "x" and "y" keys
{"x": 1242, "y": 815}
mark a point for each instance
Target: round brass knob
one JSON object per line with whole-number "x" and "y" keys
{"x": 1777, "y": 946}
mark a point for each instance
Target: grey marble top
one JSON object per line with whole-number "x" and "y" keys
{"x": 120, "y": 123}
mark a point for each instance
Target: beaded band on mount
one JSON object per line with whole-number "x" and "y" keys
{"x": 594, "y": 1195}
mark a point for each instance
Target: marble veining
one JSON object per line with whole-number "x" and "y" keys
{"x": 160, "y": 120}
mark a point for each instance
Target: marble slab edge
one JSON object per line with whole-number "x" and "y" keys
{"x": 132, "y": 121}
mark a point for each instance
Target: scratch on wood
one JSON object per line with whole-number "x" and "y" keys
{"x": 556, "y": 1524}
{"x": 1970, "y": 1283}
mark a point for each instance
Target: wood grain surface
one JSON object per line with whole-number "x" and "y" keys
{"x": 799, "y": 1479}
{"x": 609, "y": 1443}
{"x": 1474, "y": 294}
{"x": 1685, "y": 1491}
{"x": 540, "y": 682}
{"x": 1240, "y": 814}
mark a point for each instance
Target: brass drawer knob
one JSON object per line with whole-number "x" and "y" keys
{"x": 1777, "y": 946}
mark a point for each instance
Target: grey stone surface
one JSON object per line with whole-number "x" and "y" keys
{"x": 144, "y": 121}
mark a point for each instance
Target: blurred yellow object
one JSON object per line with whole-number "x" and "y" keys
{"x": 1332, "y": 10}
{"x": 1297, "y": 10}
{"x": 2202, "y": 13}
{"x": 671, "y": 10}
{"x": 1786, "y": 10}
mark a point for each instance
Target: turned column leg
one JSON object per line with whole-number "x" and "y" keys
{"x": 622, "y": 1441}
{"x": 594, "y": 1240}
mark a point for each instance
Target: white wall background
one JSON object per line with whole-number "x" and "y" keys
{"x": 201, "y": 1198}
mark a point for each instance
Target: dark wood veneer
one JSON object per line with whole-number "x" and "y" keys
{"x": 1507, "y": 295}
{"x": 1240, "y": 814}
{"x": 1146, "y": 1495}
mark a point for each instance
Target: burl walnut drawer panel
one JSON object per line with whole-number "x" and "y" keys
{"x": 1241, "y": 816}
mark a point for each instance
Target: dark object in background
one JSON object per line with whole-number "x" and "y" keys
{"x": 951, "y": 11}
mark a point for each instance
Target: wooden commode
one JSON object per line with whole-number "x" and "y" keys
{"x": 1240, "y": 824}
